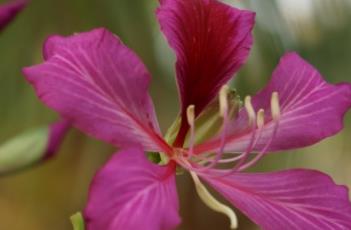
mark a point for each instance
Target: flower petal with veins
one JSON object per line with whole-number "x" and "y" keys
{"x": 100, "y": 85}
{"x": 310, "y": 110}
{"x": 130, "y": 192}
{"x": 211, "y": 41}
{"x": 292, "y": 199}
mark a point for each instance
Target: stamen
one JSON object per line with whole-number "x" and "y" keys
{"x": 208, "y": 158}
{"x": 223, "y": 100}
{"x": 275, "y": 107}
{"x": 212, "y": 203}
{"x": 260, "y": 118}
{"x": 275, "y": 111}
{"x": 250, "y": 110}
{"x": 190, "y": 114}
{"x": 253, "y": 121}
{"x": 244, "y": 156}
{"x": 263, "y": 151}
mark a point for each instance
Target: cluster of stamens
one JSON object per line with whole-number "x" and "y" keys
{"x": 256, "y": 125}
{"x": 201, "y": 163}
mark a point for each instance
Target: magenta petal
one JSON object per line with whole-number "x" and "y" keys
{"x": 211, "y": 40}
{"x": 100, "y": 85}
{"x": 311, "y": 109}
{"x": 57, "y": 133}
{"x": 130, "y": 192}
{"x": 8, "y": 11}
{"x": 292, "y": 199}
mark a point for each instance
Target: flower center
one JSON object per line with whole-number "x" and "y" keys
{"x": 259, "y": 126}
{"x": 206, "y": 164}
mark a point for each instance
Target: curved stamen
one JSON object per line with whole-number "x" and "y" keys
{"x": 212, "y": 202}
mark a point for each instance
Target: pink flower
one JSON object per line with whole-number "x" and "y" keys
{"x": 100, "y": 85}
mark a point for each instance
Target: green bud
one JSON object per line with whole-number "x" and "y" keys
{"x": 77, "y": 221}
{"x": 23, "y": 150}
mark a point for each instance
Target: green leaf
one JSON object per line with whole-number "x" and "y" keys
{"x": 78, "y": 221}
{"x": 23, "y": 150}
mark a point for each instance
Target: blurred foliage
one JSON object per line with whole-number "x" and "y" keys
{"x": 44, "y": 197}
{"x": 23, "y": 151}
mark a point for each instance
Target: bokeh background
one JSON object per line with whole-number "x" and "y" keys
{"x": 44, "y": 197}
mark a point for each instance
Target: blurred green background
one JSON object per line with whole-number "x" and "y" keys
{"x": 44, "y": 197}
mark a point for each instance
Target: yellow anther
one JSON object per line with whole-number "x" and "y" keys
{"x": 250, "y": 110}
{"x": 212, "y": 203}
{"x": 190, "y": 114}
{"x": 275, "y": 106}
{"x": 260, "y": 118}
{"x": 223, "y": 100}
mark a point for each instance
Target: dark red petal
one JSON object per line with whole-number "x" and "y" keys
{"x": 211, "y": 41}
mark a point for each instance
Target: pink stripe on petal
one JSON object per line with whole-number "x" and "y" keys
{"x": 311, "y": 109}
{"x": 292, "y": 199}
{"x": 100, "y": 85}
{"x": 130, "y": 192}
{"x": 211, "y": 40}
{"x": 8, "y": 11}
